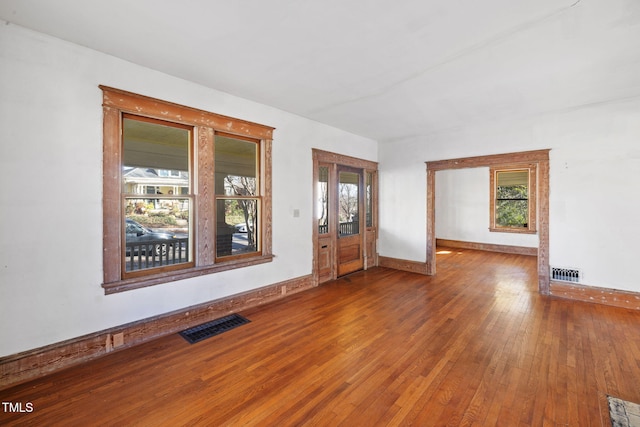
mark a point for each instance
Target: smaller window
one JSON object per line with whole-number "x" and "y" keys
{"x": 369, "y": 199}
{"x": 238, "y": 197}
{"x": 513, "y": 199}
{"x": 323, "y": 199}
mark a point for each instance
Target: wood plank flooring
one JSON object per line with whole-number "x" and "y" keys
{"x": 474, "y": 345}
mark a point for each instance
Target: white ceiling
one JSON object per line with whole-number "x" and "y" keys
{"x": 386, "y": 69}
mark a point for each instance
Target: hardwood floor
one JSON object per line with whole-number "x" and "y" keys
{"x": 474, "y": 345}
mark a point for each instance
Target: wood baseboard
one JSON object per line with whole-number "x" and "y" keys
{"x": 403, "y": 264}
{"x": 507, "y": 249}
{"x": 606, "y": 296}
{"x": 35, "y": 363}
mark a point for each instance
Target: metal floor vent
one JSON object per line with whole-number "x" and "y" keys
{"x": 215, "y": 327}
{"x": 566, "y": 274}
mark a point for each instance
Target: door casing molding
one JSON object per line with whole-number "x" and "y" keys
{"x": 370, "y": 234}
{"x": 541, "y": 158}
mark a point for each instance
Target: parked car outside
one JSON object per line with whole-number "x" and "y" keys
{"x": 138, "y": 233}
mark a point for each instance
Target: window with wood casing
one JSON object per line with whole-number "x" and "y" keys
{"x": 186, "y": 192}
{"x": 513, "y": 198}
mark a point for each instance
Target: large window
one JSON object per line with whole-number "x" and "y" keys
{"x": 513, "y": 198}
{"x": 157, "y": 199}
{"x": 186, "y": 192}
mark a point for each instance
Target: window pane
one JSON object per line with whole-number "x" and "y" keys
{"x": 348, "y": 203}
{"x": 237, "y": 231}
{"x": 512, "y": 194}
{"x": 512, "y": 213}
{"x": 369, "y": 200}
{"x": 156, "y": 233}
{"x": 155, "y": 173}
{"x": 236, "y": 166}
{"x": 154, "y": 155}
{"x": 323, "y": 199}
{"x": 513, "y": 178}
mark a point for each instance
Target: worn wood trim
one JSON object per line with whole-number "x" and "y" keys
{"x": 35, "y": 363}
{"x": 118, "y": 102}
{"x": 489, "y": 160}
{"x": 332, "y": 161}
{"x": 111, "y": 202}
{"x": 543, "y": 227}
{"x": 507, "y": 249}
{"x": 402, "y": 264}
{"x": 606, "y": 296}
{"x": 186, "y": 273}
{"x": 431, "y": 222}
{"x": 152, "y": 107}
{"x": 354, "y": 162}
{"x": 371, "y": 238}
{"x": 205, "y": 215}
{"x": 266, "y": 196}
{"x": 541, "y": 158}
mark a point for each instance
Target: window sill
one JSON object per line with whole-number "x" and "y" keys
{"x": 512, "y": 230}
{"x": 156, "y": 279}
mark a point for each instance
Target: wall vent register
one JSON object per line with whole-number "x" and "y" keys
{"x": 566, "y": 274}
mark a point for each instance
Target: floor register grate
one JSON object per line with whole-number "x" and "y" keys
{"x": 215, "y": 327}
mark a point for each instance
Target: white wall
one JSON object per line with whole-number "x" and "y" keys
{"x": 51, "y": 194}
{"x": 594, "y": 178}
{"x": 462, "y": 209}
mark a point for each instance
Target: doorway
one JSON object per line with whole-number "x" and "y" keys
{"x": 540, "y": 158}
{"x": 345, "y": 221}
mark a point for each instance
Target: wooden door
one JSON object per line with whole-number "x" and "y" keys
{"x": 350, "y": 227}
{"x": 344, "y": 229}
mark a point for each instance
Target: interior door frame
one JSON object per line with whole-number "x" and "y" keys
{"x": 541, "y": 158}
{"x": 370, "y": 234}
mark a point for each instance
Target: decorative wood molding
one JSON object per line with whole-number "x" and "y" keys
{"x": 35, "y": 363}
{"x": 431, "y": 222}
{"x": 543, "y": 227}
{"x": 117, "y": 103}
{"x": 333, "y": 161}
{"x": 606, "y": 296}
{"x": 354, "y": 162}
{"x": 490, "y": 160}
{"x": 132, "y": 102}
{"x": 507, "y": 249}
{"x": 541, "y": 158}
{"x": 402, "y": 264}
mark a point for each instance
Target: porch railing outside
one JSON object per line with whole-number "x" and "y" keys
{"x": 156, "y": 253}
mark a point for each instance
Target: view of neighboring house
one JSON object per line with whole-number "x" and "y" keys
{"x": 155, "y": 181}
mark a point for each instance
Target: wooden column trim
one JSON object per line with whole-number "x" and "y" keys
{"x": 543, "y": 227}
{"x": 266, "y": 197}
{"x": 431, "y": 222}
{"x": 206, "y": 200}
{"x": 111, "y": 185}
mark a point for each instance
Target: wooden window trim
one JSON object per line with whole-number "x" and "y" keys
{"x": 532, "y": 190}
{"x": 205, "y": 124}
{"x": 258, "y": 197}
